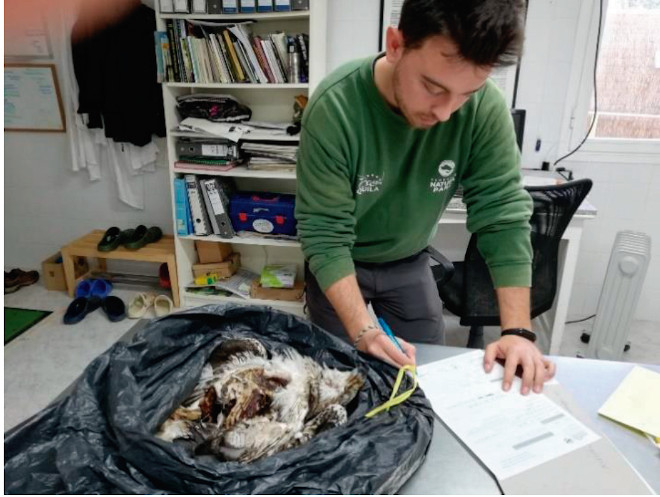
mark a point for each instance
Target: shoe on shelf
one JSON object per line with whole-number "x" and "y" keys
{"x": 140, "y": 304}
{"x": 164, "y": 276}
{"x": 114, "y": 308}
{"x": 141, "y": 236}
{"x": 133, "y": 239}
{"x": 17, "y": 278}
{"x": 96, "y": 287}
{"x": 79, "y": 308}
{"x": 111, "y": 240}
{"x": 163, "y": 305}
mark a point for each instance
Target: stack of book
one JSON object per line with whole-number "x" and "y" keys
{"x": 270, "y": 155}
{"x": 205, "y": 52}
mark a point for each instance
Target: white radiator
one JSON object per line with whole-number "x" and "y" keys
{"x": 629, "y": 261}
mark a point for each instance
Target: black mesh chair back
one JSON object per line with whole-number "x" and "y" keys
{"x": 470, "y": 293}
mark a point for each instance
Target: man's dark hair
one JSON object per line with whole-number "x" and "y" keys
{"x": 486, "y": 32}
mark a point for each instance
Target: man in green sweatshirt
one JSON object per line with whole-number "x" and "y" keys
{"x": 385, "y": 143}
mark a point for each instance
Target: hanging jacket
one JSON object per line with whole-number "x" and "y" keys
{"x": 116, "y": 72}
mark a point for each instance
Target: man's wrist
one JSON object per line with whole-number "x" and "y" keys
{"x": 360, "y": 334}
{"x": 520, "y": 332}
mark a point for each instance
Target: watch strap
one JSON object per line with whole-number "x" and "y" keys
{"x": 521, "y": 332}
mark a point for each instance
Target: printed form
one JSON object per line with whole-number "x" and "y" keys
{"x": 509, "y": 432}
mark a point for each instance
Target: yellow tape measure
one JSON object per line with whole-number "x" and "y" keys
{"x": 394, "y": 398}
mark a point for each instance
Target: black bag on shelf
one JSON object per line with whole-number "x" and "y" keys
{"x": 99, "y": 437}
{"x": 216, "y": 108}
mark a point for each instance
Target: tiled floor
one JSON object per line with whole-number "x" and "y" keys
{"x": 43, "y": 361}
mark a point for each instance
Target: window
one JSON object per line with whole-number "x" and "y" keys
{"x": 627, "y": 126}
{"x": 628, "y": 75}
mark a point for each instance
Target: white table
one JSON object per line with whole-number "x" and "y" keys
{"x": 450, "y": 468}
{"x": 552, "y": 322}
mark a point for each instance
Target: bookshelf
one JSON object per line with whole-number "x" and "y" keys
{"x": 269, "y": 102}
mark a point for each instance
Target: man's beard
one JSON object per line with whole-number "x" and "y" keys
{"x": 398, "y": 99}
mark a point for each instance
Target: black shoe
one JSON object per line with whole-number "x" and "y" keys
{"x": 79, "y": 308}
{"x": 114, "y": 308}
{"x": 111, "y": 240}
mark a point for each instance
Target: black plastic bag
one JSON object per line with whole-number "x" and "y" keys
{"x": 99, "y": 438}
{"x": 215, "y": 108}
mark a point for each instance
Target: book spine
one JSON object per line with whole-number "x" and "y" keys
{"x": 225, "y": 56}
{"x": 177, "y": 33}
{"x": 243, "y": 59}
{"x": 261, "y": 57}
{"x": 173, "y": 51}
{"x": 160, "y": 66}
{"x": 302, "y": 43}
{"x": 272, "y": 58}
{"x": 234, "y": 58}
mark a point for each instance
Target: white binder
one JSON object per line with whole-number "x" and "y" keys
{"x": 200, "y": 220}
{"x": 217, "y": 208}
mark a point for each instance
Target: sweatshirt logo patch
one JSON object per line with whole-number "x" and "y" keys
{"x": 446, "y": 168}
{"x": 446, "y": 177}
{"x": 369, "y": 183}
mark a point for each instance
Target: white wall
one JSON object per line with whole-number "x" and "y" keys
{"x": 48, "y": 205}
{"x": 625, "y": 194}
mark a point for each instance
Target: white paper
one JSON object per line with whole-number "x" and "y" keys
{"x": 230, "y": 131}
{"x": 509, "y": 432}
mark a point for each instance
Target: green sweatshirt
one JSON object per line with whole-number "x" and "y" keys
{"x": 371, "y": 188}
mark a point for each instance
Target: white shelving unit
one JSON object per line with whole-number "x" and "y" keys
{"x": 269, "y": 102}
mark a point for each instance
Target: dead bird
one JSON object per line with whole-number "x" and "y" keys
{"x": 247, "y": 406}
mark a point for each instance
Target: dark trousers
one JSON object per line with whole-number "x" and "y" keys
{"x": 402, "y": 292}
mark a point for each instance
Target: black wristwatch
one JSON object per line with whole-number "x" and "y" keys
{"x": 521, "y": 332}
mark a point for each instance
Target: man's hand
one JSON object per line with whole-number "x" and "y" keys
{"x": 520, "y": 351}
{"x": 378, "y": 344}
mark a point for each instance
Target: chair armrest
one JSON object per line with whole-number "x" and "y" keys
{"x": 446, "y": 271}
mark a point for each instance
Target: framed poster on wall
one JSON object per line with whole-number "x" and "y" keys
{"x": 32, "y": 98}
{"x": 30, "y": 41}
{"x": 504, "y": 77}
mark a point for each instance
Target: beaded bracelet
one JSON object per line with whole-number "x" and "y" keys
{"x": 363, "y": 331}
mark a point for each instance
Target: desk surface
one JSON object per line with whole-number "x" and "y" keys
{"x": 450, "y": 469}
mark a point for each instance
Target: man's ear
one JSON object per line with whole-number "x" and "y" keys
{"x": 394, "y": 44}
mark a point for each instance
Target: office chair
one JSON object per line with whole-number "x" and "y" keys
{"x": 466, "y": 288}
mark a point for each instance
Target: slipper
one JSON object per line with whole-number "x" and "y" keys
{"x": 140, "y": 305}
{"x": 90, "y": 286}
{"x": 79, "y": 308}
{"x": 114, "y": 308}
{"x": 84, "y": 288}
{"x": 153, "y": 234}
{"x": 101, "y": 288}
{"x": 111, "y": 240}
{"x": 163, "y": 305}
{"x": 134, "y": 238}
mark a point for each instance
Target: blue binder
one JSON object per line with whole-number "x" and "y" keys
{"x": 181, "y": 206}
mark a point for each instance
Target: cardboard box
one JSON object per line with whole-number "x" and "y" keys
{"x": 222, "y": 269}
{"x": 289, "y": 294}
{"x": 52, "y": 273}
{"x": 209, "y": 252}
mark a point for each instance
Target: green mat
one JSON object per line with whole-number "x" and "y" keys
{"x": 19, "y": 320}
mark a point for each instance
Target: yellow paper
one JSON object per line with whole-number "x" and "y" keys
{"x": 636, "y": 402}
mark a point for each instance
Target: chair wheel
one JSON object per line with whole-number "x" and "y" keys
{"x": 584, "y": 338}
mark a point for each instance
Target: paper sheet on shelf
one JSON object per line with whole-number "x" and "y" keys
{"x": 636, "y": 402}
{"x": 510, "y": 433}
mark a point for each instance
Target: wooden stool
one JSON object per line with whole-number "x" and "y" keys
{"x": 162, "y": 251}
